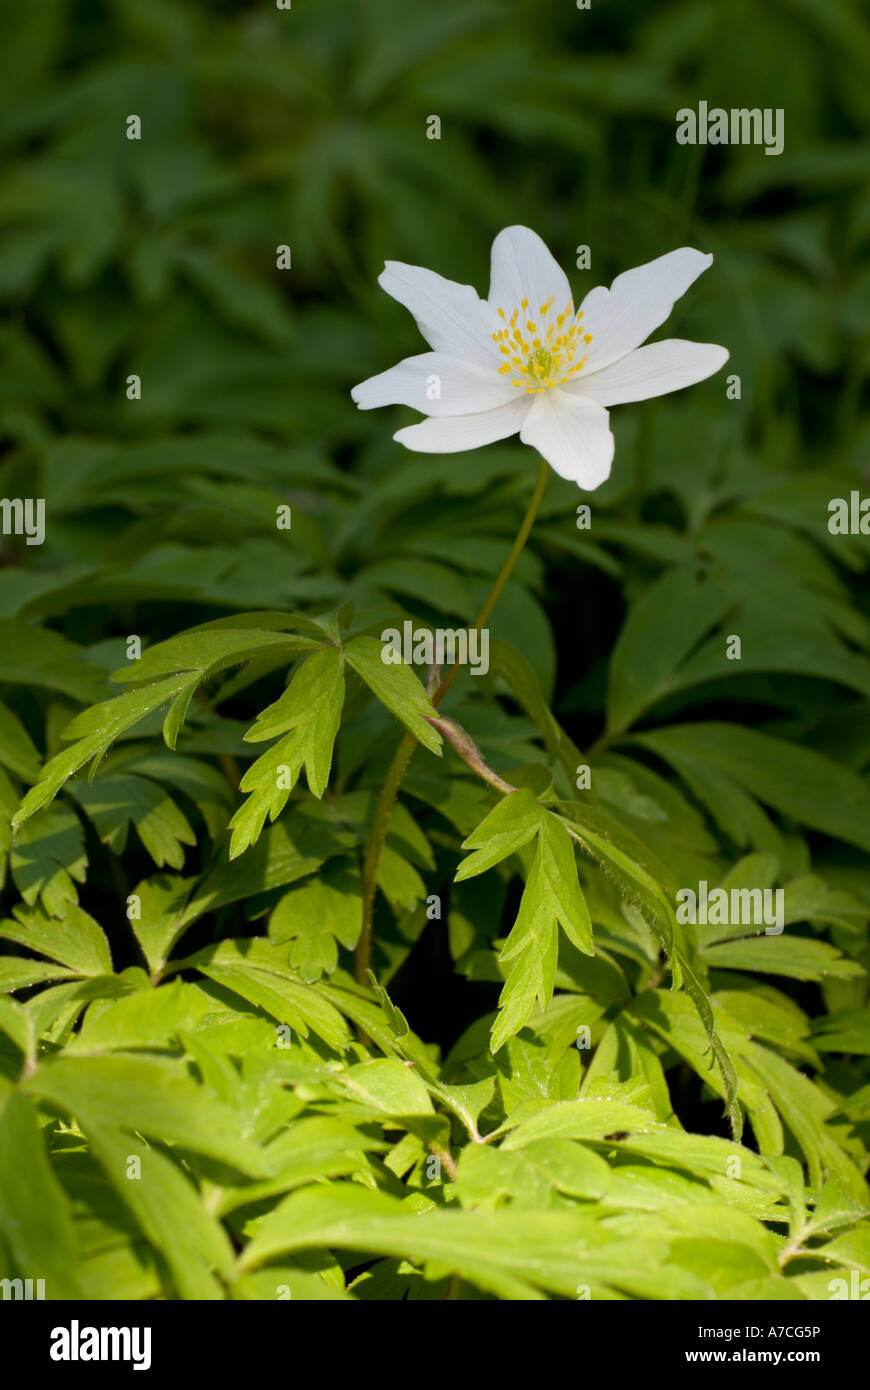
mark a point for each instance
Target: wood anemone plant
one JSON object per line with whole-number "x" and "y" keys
{"x": 337, "y": 967}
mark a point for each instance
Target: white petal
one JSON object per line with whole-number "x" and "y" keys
{"x": 573, "y": 435}
{"x": 451, "y": 317}
{"x": 522, "y": 268}
{"x": 436, "y": 384}
{"x": 637, "y": 303}
{"x": 461, "y": 432}
{"x": 651, "y": 371}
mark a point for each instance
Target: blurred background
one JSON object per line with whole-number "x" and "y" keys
{"x": 307, "y": 127}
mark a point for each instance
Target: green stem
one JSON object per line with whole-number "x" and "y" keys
{"x": 390, "y": 790}
{"x": 506, "y": 571}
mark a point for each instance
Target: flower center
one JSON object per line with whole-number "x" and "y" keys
{"x": 545, "y": 354}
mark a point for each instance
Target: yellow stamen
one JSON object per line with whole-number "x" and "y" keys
{"x": 547, "y": 357}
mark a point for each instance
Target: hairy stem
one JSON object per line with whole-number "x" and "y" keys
{"x": 470, "y": 753}
{"x": 390, "y": 790}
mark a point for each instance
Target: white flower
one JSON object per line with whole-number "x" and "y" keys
{"x": 524, "y": 361}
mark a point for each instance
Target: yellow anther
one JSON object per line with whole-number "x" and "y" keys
{"x": 546, "y": 358}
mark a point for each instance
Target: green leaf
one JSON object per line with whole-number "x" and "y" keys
{"x": 397, "y": 688}
{"x": 637, "y": 872}
{"x": 177, "y": 712}
{"x": 94, "y": 731}
{"x": 753, "y": 871}
{"x": 794, "y": 780}
{"x": 75, "y": 940}
{"x": 776, "y": 1020}
{"x": 625, "y": 1056}
{"x": 47, "y": 855}
{"x": 687, "y": 1029}
{"x": 36, "y": 1220}
{"x": 308, "y": 1150}
{"x": 388, "y": 1086}
{"x": 171, "y": 1213}
{"x": 515, "y": 671}
{"x": 156, "y": 1098}
{"x": 156, "y": 910}
{"x": 284, "y": 852}
{"x": 399, "y": 881}
{"x": 509, "y": 1253}
{"x": 847, "y": 1030}
{"x": 256, "y": 970}
{"x": 210, "y": 650}
{"x": 835, "y": 1208}
{"x": 114, "y": 802}
{"x": 196, "y": 779}
{"x": 17, "y": 751}
{"x": 323, "y": 913}
{"x": 804, "y": 1109}
{"x": 662, "y": 629}
{"x": 18, "y": 974}
{"x": 308, "y": 714}
{"x": 640, "y": 877}
{"x": 147, "y": 1018}
{"x": 558, "y": 884}
{"x": 795, "y": 956}
{"x": 510, "y": 825}
{"x": 311, "y": 704}
{"x": 580, "y": 1119}
{"x": 852, "y": 1251}
{"x": 551, "y": 898}
{"x": 16, "y": 1024}
{"x": 36, "y": 656}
